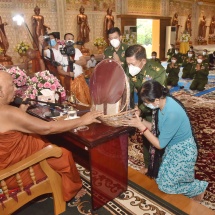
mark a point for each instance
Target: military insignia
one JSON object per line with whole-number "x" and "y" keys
{"x": 202, "y": 67}
{"x": 157, "y": 69}
{"x": 123, "y": 48}
{"x": 123, "y": 54}
{"x": 134, "y": 79}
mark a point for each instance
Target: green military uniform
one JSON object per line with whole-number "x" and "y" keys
{"x": 188, "y": 64}
{"x": 200, "y": 77}
{"x": 179, "y": 58}
{"x": 206, "y": 59}
{"x": 109, "y": 51}
{"x": 172, "y": 79}
{"x": 156, "y": 59}
{"x": 151, "y": 70}
{"x": 170, "y": 53}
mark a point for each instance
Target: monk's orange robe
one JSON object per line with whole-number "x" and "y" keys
{"x": 15, "y": 146}
{"x": 78, "y": 87}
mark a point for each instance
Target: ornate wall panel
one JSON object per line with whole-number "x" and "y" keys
{"x": 147, "y": 7}
{"x": 16, "y": 34}
{"x": 93, "y": 5}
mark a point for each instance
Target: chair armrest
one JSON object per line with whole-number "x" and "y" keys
{"x": 48, "y": 151}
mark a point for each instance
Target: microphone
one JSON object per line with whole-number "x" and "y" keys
{"x": 19, "y": 101}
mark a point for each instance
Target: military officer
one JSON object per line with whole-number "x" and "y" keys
{"x": 154, "y": 57}
{"x": 188, "y": 64}
{"x": 117, "y": 49}
{"x": 139, "y": 70}
{"x": 172, "y": 70}
{"x": 178, "y": 56}
{"x": 171, "y": 52}
{"x": 201, "y": 71}
{"x": 205, "y": 56}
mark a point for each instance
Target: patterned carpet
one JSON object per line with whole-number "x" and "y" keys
{"x": 135, "y": 201}
{"x": 201, "y": 111}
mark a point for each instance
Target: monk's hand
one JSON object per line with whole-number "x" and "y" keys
{"x": 41, "y": 39}
{"x": 91, "y": 117}
{"x": 24, "y": 107}
{"x": 134, "y": 121}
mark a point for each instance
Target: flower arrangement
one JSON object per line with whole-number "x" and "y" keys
{"x": 185, "y": 37}
{"x": 22, "y": 47}
{"x": 100, "y": 41}
{"x": 44, "y": 80}
{"x": 129, "y": 39}
{"x": 19, "y": 76}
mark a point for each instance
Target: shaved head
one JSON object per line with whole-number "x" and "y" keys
{"x": 7, "y": 88}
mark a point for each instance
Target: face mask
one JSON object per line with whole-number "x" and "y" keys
{"x": 199, "y": 60}
{"x": 204, "y": 53}
{"x": 115, "y": 43}
{"x": 133, "y": 70}
{"x": 53, "y": 42}
{"x": 151, "y": 106}
{"x": 92, "y": 58}
{"x": 176, "y": 52}
{"x": 191, "y": 49}
{"x": 173, "y": 61}
{"x": 70, "y": 41}
{"x": 190, "y": 55}
{"x": 153, "y": 57}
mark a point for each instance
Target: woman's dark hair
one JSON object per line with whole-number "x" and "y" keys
{"x": 152, "y": 90}
{"x": 138, "y": 51}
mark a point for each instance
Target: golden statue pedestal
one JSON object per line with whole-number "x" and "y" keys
{"x": 5, "y": 60}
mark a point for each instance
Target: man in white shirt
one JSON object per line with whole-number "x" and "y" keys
{"x": 92, "y": 62}
{"x": 71, "y": 78}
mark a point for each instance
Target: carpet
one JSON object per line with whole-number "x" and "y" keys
{"x": 135, "y": 201}
{"x": 201, "y": 112}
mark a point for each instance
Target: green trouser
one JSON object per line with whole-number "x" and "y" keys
{"x": 198, "y": 84}
{"x": 186, "y": 74}
{"x": 172, "y": 81}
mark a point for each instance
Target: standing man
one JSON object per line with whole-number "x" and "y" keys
{"x": 73, "y": 81}
{"x": 138, "y": 71}
{"x": 117, "y": 49}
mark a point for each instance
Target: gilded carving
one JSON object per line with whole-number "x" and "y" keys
{"x": 144, "y": 7}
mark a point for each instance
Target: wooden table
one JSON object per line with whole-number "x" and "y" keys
{"x": 104, "y": 151}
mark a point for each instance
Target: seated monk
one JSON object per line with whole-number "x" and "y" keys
{"x": 19, "y": 138}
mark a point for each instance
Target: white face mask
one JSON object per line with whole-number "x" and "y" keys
{"x": 115, "y": 43}
{"x": 92, "y": 58}
{"x": 151, "y": 106}
{"x": 153, "y": 57}
{"x": 173, "y": 61}
{"x": 204, "y": 53}
{"x": 199, "y": 60}
{"x": 71, "y": 41}
{"x": 176, "y": 52}
{"x": 190, "y": 55}
{"x": 133, "y": 70}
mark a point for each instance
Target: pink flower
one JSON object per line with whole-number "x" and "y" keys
{"x": 53, "y": 87}
{"x": 47, "y": 85}
{"x": 34, "y": 79}
{"x": 40, "y": 85}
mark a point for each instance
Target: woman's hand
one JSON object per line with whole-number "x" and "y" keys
{"x": 134, "y": 122}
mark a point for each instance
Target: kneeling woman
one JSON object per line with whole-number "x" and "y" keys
{"x": 176, "y": 173}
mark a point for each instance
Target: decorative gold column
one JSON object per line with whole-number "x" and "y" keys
{"x": 61, "y": 6}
